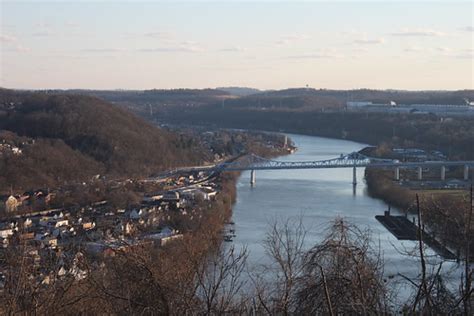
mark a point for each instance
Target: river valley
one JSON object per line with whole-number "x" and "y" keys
{"x": 319, "y": 196}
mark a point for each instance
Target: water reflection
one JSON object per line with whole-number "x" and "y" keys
{"x": 319, "y": 195}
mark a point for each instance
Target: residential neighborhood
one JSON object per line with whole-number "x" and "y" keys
{"x": 100, "y": 229}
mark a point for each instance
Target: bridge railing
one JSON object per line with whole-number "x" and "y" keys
{"x": 355, "y": 159}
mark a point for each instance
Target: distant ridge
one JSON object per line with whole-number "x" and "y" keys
{"x": 240, "y": 91}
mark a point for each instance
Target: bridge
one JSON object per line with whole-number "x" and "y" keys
{"x": 353, "y": 160}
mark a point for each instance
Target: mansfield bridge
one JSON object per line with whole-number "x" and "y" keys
{"x": 353, "y": 160}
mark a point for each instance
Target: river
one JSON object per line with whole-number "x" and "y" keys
{"x": 320, "y": 195}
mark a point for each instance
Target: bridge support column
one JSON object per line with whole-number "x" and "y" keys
{"x": 420, "y": 173}
{"x": 466, "y": 172}
{"x": 397, "y": 173}
{"x": 354, "y": 176}
{"x": 253, "y": 177}
{"x": 443, "y": 173}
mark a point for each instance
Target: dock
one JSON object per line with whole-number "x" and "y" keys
{"x": 399, "y": 226}
{"x": 404, "y": 229}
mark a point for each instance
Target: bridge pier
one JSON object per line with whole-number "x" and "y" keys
{"x": 420, "y": 173}
{"x": 354, "y": 176}
{"x": 397, "y": 174}
{"x": 253, "y": 177}
{"x": 466, "y": 172}
{"x": 443, "y": 173}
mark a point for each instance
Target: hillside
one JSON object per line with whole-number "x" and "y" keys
{"x": 239, "y": 91}
{"x": 62, "y": 138}
{"x": 382, "y": 96}
{"x": 154, "y": 102}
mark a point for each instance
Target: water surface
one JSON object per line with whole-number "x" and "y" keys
{"x": 319, "y": 195}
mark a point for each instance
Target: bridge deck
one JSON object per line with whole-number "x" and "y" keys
{"x": 253, "y": 162}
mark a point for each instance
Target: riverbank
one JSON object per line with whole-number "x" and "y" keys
{"x": 443, "y": 213}
{"x": 453, "y": 136}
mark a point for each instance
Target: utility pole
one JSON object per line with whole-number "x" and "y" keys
{"x": 467, "y": 260}
{"x": 151, "y": 109}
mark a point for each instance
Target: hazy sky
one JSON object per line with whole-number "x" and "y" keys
{"x": 266, "y": 44}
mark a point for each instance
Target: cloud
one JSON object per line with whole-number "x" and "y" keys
{"x": 418, "y": 33}
{"x": 12, "y": 44}
{"x": 22, "y": 49}
{"x": 444, "y": 49}
{"x": 7, "y": 38}
{"x": 171, "y": 44}
{"x": 172, "y": 49}
{"x": 464, "y": 56}
{"x": 102, "y": 50}
{"x": 288, "y": 39}
{"x": 455, "y": 53}
{"x": 17, "y": 48}
{"x": 468, "y": 29}
{"x": 414, "y": 49}
{"x": 361, "y": 50}
{"x": 71, "y": 24}
{"x": 233, "y": 49}
{"x": 43, "y": 25}
{"x": 353, "y": 32}
{"x": 43, "y": 29}
{"x": 160, "y": 34}
{"x": 366, "y": 41}
{"x": 316, "y": 55}
{"x": 43, "y": 33}
{"x": 188, "y": 43}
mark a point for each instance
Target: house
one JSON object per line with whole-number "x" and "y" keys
{"x": 7, "y": 229}
{"x": 166, "y": 240}
{"x": 208, "y": 193}
{"x": 61, "y": 222}
{"x": 134, "y": 214}
{"x": 171, "y": 196}
{"x": 3, "y": 242}
{"x": 128, "y": 228}
{"x": 50, "y": 242}
{"x": 6, "y": 232}
{"x": 12, "y": 204}
{"x": 27, "y": 223}
{"x": 164, "y": 236}
{"x": 88, "y": 225}
{"x": 27, "y": 236}
{"x": 46, "y": 221}
{"x": 16, "y": 151}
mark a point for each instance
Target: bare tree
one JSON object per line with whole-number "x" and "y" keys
{"x": 343, "y": 274}
{"x": 219, "y": 281}
{"x": 276, "y": 285}
{"x": 432, "y": 296}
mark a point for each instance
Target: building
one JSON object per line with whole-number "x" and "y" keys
{"x": 422, "y": 108}
{"x": 357, "y": 104}
{"x": 12, "y": 204}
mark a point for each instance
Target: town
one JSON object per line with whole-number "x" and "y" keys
{"x": 153, "y": 211}
{"x": 101, "y": 229}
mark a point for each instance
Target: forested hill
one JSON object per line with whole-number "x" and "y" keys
{"x": 46, "y": 139}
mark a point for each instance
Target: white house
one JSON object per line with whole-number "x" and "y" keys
{"x": 11, "y": 204}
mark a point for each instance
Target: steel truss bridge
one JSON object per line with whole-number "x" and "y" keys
{"x": 355, "y": 159}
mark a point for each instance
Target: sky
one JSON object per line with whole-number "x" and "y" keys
{"x": 261, "y": 44}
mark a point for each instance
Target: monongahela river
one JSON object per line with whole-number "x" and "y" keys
{"x": 320, "y": 195}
